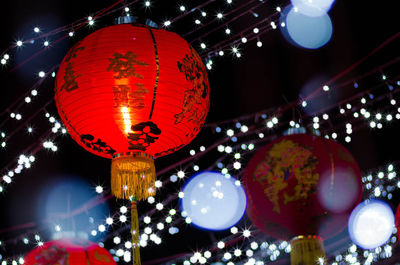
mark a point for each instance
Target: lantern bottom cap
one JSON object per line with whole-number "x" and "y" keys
{"x": 133, "y": 175}
{"x": 307, "y": 250}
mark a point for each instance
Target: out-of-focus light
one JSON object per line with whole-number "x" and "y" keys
{"x": 313, "y": 8}
{"x": 304, "y": 31}
{"x": 213, "y": 201}
{"x": 371, "y": 224}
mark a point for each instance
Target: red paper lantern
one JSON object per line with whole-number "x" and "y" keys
{"x": 69, "y": 251}
{"x": 397, "y": 221}
{"x": 302, "y": 185}
{"x": 132, "y": 93}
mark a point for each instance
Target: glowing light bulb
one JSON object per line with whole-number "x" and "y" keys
{"x": 127, "y": 119}
{"x": 99, "y": 189}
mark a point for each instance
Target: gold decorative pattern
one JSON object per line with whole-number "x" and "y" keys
{"x": 286, "y": 160}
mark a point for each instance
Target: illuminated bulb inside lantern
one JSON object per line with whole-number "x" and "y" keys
{"x": 127, "y": 119}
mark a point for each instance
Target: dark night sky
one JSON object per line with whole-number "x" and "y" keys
{"x": 262, "y": 78}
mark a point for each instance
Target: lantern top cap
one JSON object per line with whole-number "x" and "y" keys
{"x": 136, "y": 20}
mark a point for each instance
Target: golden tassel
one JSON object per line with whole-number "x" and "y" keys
{"x": 307, "y": 250}
{"x": 133, "y": 175}
{"x": 135, "y": 234}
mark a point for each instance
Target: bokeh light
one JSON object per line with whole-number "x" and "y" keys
{"x": 214, "y": 201}
{"x": 69, "y": 202}
{"x": 306, "y": 31}
{"x": 371, "y": 224}
{"x": 313, "y": 8}
{"x": 338, "y": 195}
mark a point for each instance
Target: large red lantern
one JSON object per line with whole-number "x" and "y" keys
{"x": 132, "y": 93}
{"x": 69, "y": 251}
{"x": 302, "y": 186}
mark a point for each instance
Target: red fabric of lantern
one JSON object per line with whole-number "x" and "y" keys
{"x": 69, "y": 251}
{"x": 302, "y": 185}
{"x": 132, "y": 93}
{"x": 397, "y": 221}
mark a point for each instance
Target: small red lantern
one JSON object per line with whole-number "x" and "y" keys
{"x": 69, "y": 251}
{"x": 132, "y": 93}
{"x": 302, "y": 185}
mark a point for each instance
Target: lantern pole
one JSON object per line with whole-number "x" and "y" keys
{"x": 135, "y": 233}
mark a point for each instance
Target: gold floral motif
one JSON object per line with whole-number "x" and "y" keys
{"x": 196, "y": 90}
{"x": 284, "y": 161}
{"x": 52, "y": 255}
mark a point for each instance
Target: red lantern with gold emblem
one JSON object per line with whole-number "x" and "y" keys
{"x": 69, "y": 251}
{"x": 302, "y": 186}
{"x": 132, "y": 93}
